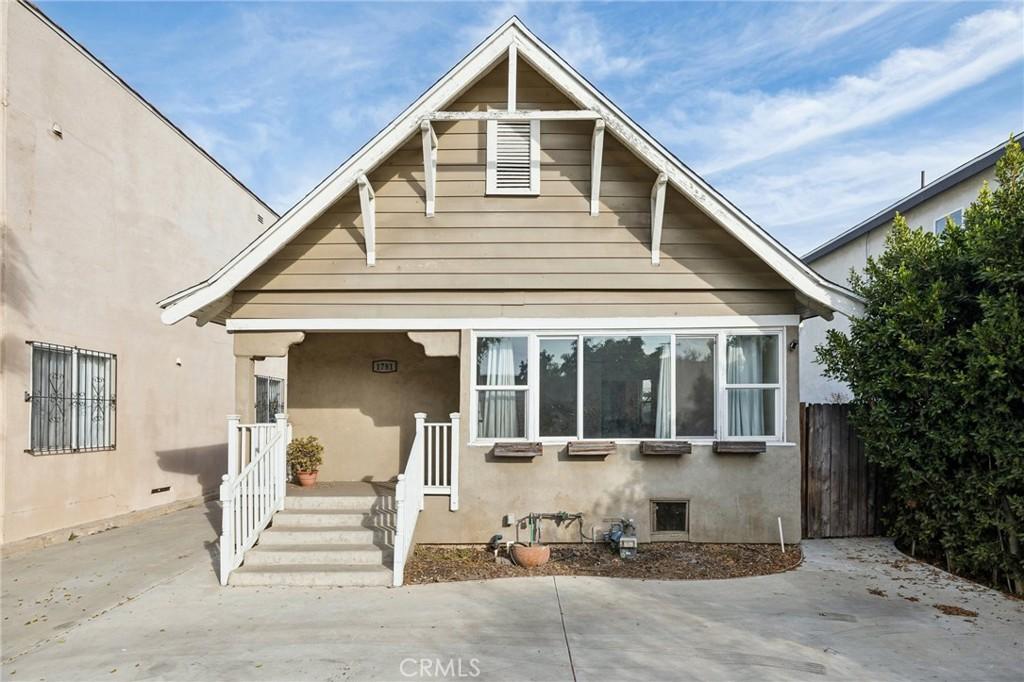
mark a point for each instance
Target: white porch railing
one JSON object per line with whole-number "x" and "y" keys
{"x": 441, "y": 459}
{"x": 253, "y": 488}
{"x": 432, "y": 469}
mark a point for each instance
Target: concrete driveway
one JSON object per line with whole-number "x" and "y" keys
{"x": 143, "y": 603}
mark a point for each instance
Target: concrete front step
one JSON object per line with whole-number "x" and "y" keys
{"x": 312, "y": 575}
{"x": 335, "y": 555}
{"x": 292, "y": 518}
{"x": 321, "y": 535}
{"x": 335, "y": 502}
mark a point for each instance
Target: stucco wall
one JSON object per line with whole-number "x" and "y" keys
{"x": 732, "y": 498}
{"x": 99, "y": 225}
{"x": 814, "y": 387}
{"x": 365, "y": 419}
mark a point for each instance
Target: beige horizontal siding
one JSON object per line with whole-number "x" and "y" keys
{"x": 513, "y": 255}
{"x": 458, "y": 304}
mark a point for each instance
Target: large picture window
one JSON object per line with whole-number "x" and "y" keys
{"x": 656, "y": 385}
{"x": 627, "y": 384}
{"x": 73, "y": 399}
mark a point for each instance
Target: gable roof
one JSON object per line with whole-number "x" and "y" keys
{"x": 933, "y": 188}
{"x": 817, "y": 292}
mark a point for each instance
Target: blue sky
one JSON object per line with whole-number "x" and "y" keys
{"x": 809, "y": 116}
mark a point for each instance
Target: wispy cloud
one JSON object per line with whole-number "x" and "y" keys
{"x": 810, "y": 197}
{"x": 976, "y": 49}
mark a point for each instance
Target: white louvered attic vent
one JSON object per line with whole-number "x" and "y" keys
{"x": 513, "y": 157}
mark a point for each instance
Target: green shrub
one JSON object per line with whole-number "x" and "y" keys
{"x": 305, "y": 454}
{"x": 936, "y": 365}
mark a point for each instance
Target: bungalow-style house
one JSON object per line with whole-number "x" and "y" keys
{"x": 512, "y": 300}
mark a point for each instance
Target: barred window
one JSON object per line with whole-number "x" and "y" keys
{"x": 73, "y": 399}
{"x": 269, "y": 398}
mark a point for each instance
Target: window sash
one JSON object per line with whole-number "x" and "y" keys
{"x": 269, "y": 398}
{"x": 721, "y": 423}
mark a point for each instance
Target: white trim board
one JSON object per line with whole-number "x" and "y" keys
{"x": 828, "y": 296}
{"x": 513, "y": 323}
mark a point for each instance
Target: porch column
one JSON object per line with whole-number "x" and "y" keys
{"x": 245, "y": 389}
{"x": 249, "y": 347}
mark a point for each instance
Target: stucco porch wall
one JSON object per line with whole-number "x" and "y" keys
{"x": 732, "y": 498}
{"x": 365, "y": 419}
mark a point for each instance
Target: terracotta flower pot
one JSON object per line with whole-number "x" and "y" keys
{"x": 530, "y": 557}
{"x": 306, "y": 478}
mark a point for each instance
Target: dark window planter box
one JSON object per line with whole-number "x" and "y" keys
{"x": 518, "y": 450}
{"x": 740, "y": 447}
{"x": 662, "y": 448}
{"x": 579, "y": 448}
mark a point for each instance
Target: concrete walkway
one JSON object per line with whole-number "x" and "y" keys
{"x": 143, "y": 603}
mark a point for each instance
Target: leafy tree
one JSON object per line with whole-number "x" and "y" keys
{"x": 936, "y": 365}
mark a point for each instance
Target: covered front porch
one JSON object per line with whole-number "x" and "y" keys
{"x": 364, "y": 396}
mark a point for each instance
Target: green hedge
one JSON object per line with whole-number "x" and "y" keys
{"x": 936, "y": 365}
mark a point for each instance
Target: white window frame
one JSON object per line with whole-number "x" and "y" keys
{"x": 256, "y": 395}
{"x": 942, "y": 219}
{"x": 532, "y": 387}
{"x": 723, "y": 386}
{"x": 531, "y": 381}
{"x": 492, "y": 161}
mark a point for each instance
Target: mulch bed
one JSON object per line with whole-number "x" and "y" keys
{"x": 655, "y": 561}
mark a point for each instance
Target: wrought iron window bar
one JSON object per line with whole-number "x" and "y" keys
{"x": 74, "y": 399}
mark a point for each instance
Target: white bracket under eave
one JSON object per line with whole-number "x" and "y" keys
{"x": 429, "y": 165}
{"x": 367, "y": 201}
{"x": 596, "y": 154}
{"x": 657, "y": 216}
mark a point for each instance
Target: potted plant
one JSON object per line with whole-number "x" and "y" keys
{"x": 305, "y": 455}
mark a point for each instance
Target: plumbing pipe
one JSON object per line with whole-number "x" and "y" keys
{"x": 782, "y": 542}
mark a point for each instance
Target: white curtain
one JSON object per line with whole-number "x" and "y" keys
{"x": 663, "y": 400}
{"x": 746, "y": 406}
{"x": 498, "y": 408}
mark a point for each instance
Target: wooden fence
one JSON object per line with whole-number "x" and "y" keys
{"x": 840, "y": 491}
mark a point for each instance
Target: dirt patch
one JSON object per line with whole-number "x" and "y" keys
{"x": 877, "y": 592}
{"x": 655, "y": 561}
{"x": 950, "y": 610}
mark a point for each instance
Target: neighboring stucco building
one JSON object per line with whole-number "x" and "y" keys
{"x": 582, "y": 322}
{"x": 105, "y": 205}
{"x": 927, "y": 208}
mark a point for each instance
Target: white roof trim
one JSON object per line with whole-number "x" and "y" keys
{"x": 458, "y": 79}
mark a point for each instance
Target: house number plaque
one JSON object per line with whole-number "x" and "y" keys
{"x": 385, "y": 366}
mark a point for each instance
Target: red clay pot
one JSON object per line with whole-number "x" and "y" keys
{"x": 530, "y": 557}
{"x": 306, "y": 478}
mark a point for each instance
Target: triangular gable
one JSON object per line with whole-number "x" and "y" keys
{"x": 207, "y": 298}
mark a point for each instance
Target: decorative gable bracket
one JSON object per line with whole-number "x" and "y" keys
{"x": 596, "y": 154}
{"x": 367, "y": 204}
{"x": 429, "y": 165}
{"x": 657, "y": 215}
